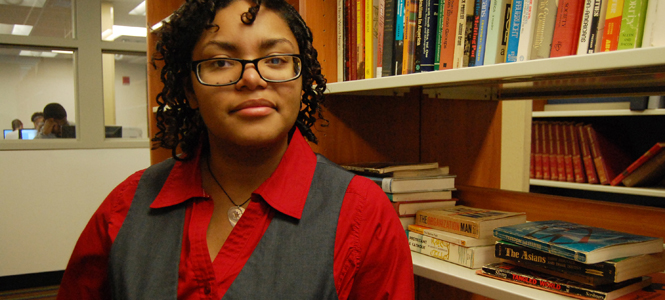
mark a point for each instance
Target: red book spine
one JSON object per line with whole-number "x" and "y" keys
{"x": 567, "y": 28}
{"x": 554, "y": 171}
{"x": 640, "y": 161}
{"x": 598, "y": 160}
{"x": 532, "y": 156}
{"x": 587, "y": 159}
{"x": 578, "y": 168}
{"x": 538, "y": 155}
{"x": 545, "y": 151}
{"x": 558, "y": 140}
{"x": 353, "y": 40}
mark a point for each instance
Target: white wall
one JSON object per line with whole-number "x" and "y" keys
{"x": 47, "y": 198}
{"x": 131, "y": 107}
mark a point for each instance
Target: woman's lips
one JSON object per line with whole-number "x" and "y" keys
{"x": 254, "y": 108}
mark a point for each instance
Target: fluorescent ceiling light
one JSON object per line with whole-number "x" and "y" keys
{"x": 63, "y": 51}
{"x": 21, "y": 30}
{"x": 37, "y": 53}
{"x": 159, "y": 24}
{"x": 118, "y": 31}
{"x": 139, "y": 10}
{"x": 30, "y": 3}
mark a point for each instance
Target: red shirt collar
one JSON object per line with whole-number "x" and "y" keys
{"x": 285, "y": 190}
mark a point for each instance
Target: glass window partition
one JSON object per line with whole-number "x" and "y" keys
{"x": 125, "y": 95}
{"x": 52, "y": 18}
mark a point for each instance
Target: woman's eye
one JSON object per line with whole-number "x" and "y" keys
{"x": 222, "y": 64}
{"x": 275, "y": 61}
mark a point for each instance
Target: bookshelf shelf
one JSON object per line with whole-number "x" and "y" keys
{"x": 598, "y": 113}
{"x": 651, "y": 192}
{"x": 637, "y": 71}
{"x": 467, "y": 279}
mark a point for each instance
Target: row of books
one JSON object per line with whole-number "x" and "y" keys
{"x": 410, "y": 187}
{"x": 574, "y": 259}
{"x": 378, "y": 38}
{"x": 577, "y": 152}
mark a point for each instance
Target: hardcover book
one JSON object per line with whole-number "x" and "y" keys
{"x": 563, "y": 286}
{"x": 578, "y": 165}
{"x": 398, "y": 52}
{"x": 420, "y": 184}
{"x": 440, "y": 13}
{"x": 606, "y": 272}
{"x": 409, "y": 208}
{"x": 482, "y": 32}
{"x": 417, "y": 196}
{"x": 585, "y": 151}
{"x": 567, "y": 152}
{"x": 536, "y": 151}
{"x": 379, "y": 38}
{"x": 370, "y": 29}
{"x": 543, "y": 29}
{"x": 429, "y": 42}
{"x": 409, "y": 51}
{"x": 470, "y": 257}
{"x": 472, "y": 39}
{"x": 650, "y": 173}
{"x": 582, "y": 243}
{"x": 360, "y": 46}
{"x": 608, "y": 158}
{"x": 451, "y": 237}
{"x": 419, "y": 38}
{"x": 378, "y": 168}
{"x": 655, "y": 149}
{"x": 545, "y": 151}
{"x": 389, "y": 38}
{"x": 567, "y": 28}
{"x": 468, "y": 221}
{"x": 421, "y": 173}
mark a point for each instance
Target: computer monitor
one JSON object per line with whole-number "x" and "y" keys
{"x": 5, "y": 132}
{"x": 69, "y": 131}
{"x": 113, "y": 131}
{"x": 27, "y": 134}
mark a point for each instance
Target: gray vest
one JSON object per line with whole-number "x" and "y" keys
{"x": 293, "y": 260}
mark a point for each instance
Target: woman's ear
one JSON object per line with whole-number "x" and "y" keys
{"x": 191, "y": 97}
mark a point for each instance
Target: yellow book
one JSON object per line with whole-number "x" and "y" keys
{"x": 369, "y": 40}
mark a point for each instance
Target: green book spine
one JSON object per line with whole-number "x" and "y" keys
{"x": 632, "y": 24}
{"x": 439, "y": 27}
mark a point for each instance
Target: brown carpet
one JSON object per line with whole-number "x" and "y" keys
{"x": 41, "y": 293}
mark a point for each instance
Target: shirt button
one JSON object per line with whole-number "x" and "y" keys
{"x": 206, "y": 290}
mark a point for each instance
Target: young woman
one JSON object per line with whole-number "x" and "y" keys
{"x": 247, "y": 211}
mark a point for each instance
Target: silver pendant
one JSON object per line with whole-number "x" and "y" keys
{"x": 234, "y": 213}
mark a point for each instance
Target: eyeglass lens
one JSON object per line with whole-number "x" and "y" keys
{"x": 272, "y": 68}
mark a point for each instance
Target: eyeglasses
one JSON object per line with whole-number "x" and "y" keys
{"x": 227, "y": 71}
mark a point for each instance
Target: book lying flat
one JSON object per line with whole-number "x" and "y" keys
{"x": 408, "y": 185}
{"x": 451, "y": 237}
{"x": 606, "y": 272}
{"x": 409, "y": 208}
{"x": 655, "y": 149}
{"x": 470, "y": 257}
{"x": 530, "y": 278}
{"x": 468, "y": 221}
{"x": 582, "y": 243}
{"x": 379, "y": 168}
{"x": 418, "y": 196}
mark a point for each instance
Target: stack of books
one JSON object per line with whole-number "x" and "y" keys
{"x": 410, "y": 187}
{"x": 379, "y": 38}
{"x": 461, "y": 235}
{"x": 574, "y": 259}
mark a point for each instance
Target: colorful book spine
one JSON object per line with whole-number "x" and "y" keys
{"x": 559, "y": 145}
{"x": 379, "y": 38}
{"x": 554, "y": 168}
{"x": 409, "y": 51}
{"x": 369, "y": 39}
{"x": 612, "y": 25}
{"x": 416, "y": 243}
{"x": 543, "y": 29}
{"x": 597, "y": 25}
{"x": 470, "y": 257}
{"x": 585, "y": 27}
{"x": 472, "y": 39}
{"x": 514, "y": 33}
{"x": 632, "y": 24}
{"x": 389, "y": 38}
{"x": 655, "y": 149}
{"x": 526, "y": 30}
{"x": 482, "y": 32}
{"x": 441, "y": 8}
{"x": 538, "y": 153}
{"x": 465, "y": 18}
{"x": 340, "y": 40}
{"x": 567, "y": 28}
{"x": 451, "y": 237}
{"x": 361, "y": 38}
{"x": 448, "y": 34}
{"x": 399, "y": 36}
{"x": 420, "y": 18}
{"x": 353, "y": 40}
{"x": 497, "y": 29}
{"x": 567, "y": 152}
{"x": 545, "y": 151}
{"x": 430, "y": 20}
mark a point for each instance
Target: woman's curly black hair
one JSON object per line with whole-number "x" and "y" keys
{"x": 182, "y": 127}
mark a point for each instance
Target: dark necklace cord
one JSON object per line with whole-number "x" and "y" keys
{"x": 220, "y": 185}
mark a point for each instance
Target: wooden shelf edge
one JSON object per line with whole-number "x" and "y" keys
{"x": 652, "y": 192}
{"x": 598, "y": 113}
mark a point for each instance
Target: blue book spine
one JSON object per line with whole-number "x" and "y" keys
{"x": 399, "y": 37}
{"x": 482, "y": 32}
{"x": 514, "y": 33}
{"x": 430, "y": 20}
{"x": 539, "y": 245}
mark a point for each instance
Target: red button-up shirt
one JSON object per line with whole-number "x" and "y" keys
{"x": 371, "y": 259}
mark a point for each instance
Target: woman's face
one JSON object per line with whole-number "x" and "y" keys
{"x": 251, "y": 112}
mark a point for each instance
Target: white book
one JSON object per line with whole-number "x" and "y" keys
{"x": 465, "y": 12}
{"x": 415, "y": 241}
{"x": 458, "y": 239}
{"x": 543, "y": 29}
{"x": 585, "y": 28}
{"x": 656, "y": 102}
{"x": 654, "y": 24}
{"x": 526, "y": 30}
{"x": 470, "y": 257}
{"x": 495, "y": 45}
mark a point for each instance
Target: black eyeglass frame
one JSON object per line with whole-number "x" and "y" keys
{"x": 194, "y": 66}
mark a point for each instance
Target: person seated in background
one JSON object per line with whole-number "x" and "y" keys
{"x": 38, "y": 120}
{"x": 16, "y": 125}
{"x": 55, "y": 119}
